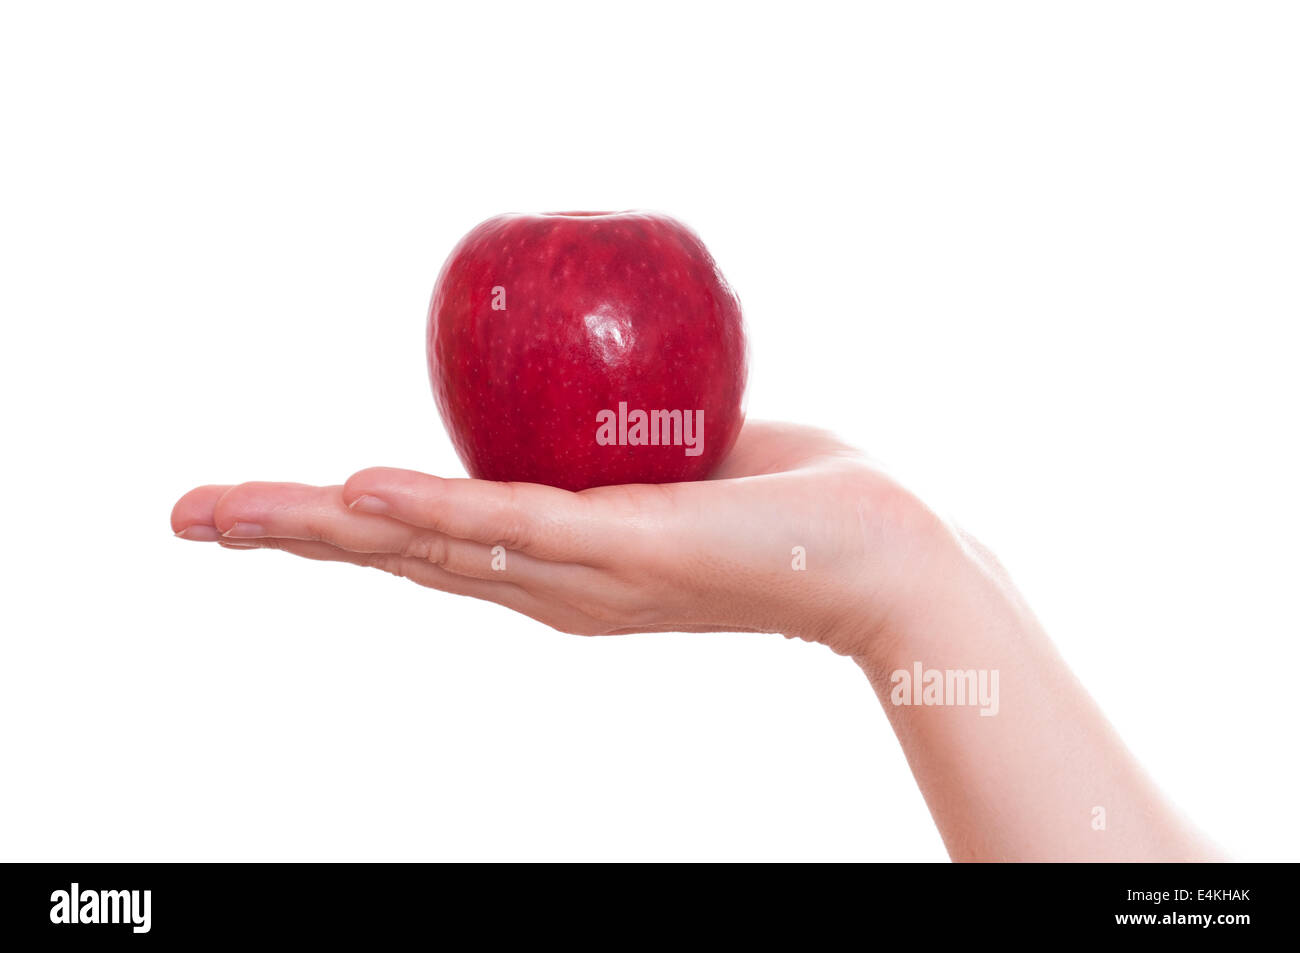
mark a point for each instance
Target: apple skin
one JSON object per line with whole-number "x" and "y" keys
{"x": 599, "y": 308}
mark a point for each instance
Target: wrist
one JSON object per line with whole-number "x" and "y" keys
{"x": 920, "y": 584}
{"x": 960, "y": 612}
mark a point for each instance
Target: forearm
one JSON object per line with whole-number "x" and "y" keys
{"x": 1031, "y": 771}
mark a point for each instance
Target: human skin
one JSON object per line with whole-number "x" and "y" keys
{"x": 885, "y": 581}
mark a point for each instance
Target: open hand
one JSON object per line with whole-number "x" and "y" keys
{"x": 796, "y": 533}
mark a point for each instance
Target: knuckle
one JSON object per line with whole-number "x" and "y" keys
{"x": 430, "y": 548}
{"x": 314, "y": 531}
{"x": 513, "y": 534}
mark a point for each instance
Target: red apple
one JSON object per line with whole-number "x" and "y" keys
{"x": 582, "y": 349}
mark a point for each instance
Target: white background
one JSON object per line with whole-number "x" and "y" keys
{"x": 1039, "y": 258}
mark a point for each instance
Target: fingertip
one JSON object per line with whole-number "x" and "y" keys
{"x": 222, "y": 517}
{"x": 357, "y": 486}
{"x": 232, "y": 506}
{"x": 375, "y": 482}
{"x": 369, "y": 504}
{"x": 196, "y": 508}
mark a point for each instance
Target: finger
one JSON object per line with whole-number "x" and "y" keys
{"x": 253, "y": 511}
{"x": 542, "y": 521}
{"x": 553, "y": 613}
{"x": 192, "y": 514}
{"x": 418, "y": 570}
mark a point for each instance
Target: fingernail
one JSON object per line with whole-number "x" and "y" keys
{"x": 369, "y": 504}
{"x": 200, "y": 533}
{"x": 226, "y": 544}
{"x": 244, "y": 531}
